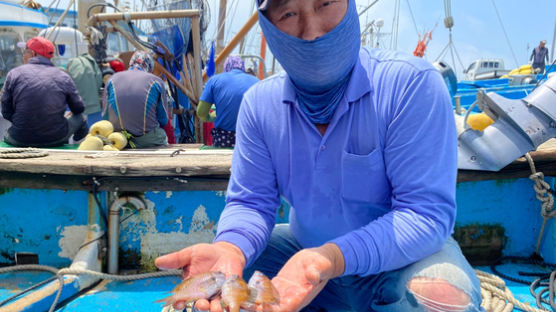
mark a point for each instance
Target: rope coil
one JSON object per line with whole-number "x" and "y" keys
{"x": 20, "y": 153}
{"x": 497, "y": 297}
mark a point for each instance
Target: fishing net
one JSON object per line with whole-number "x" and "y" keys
{"x": 174, "y": 33}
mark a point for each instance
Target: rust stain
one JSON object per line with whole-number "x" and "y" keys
{"x": 481, "y": 243}
{"x": 4, "y": 190}
{"x": 209, "y": 226}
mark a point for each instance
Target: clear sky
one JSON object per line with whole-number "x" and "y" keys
{"x": 477, "y": 32}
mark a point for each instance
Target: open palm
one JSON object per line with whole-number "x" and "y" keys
{"x": 301, "y": 279}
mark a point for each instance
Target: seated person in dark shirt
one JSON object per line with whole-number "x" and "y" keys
{"x": 35, "y": 97}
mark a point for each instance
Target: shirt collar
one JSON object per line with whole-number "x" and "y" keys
{"x": 40, "y": 60}
{"x": 359, "y": 83}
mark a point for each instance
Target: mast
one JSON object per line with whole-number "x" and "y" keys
{"x": 221, "y": 30}
{"x": 553, "y": 43}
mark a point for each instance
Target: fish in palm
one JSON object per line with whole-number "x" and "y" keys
{"x": 234, "y": 293}
{"x": 262, "y": 292}
{"x": 200, "y": 286}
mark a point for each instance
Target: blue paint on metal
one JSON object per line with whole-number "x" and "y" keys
{"x": 14, "y": 282}
{"x": 469, "y": 96}
{"x": 509, "y": 203}
{"x": 21, "y": 24}
{"x": 34, "y": 220}
{"x": 44, "y": 304}
{"x": 124, "y": 296}
{"x": 549, "y": 242}
{"x": 171, "y": 206}
{"x": 174, "y": 213}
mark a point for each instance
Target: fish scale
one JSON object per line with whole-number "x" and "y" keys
{"x": 234, "y": 293}
{"x": 201, "y": 286}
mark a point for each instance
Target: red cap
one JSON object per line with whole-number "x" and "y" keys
{"x": 41, "y": 46}
{"x": 117, "y": 66}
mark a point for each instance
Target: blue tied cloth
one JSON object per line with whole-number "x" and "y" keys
{"x": 211, "y": 68}
{"x": 319, "y": 69}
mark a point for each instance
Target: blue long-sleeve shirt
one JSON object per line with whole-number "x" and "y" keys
{"x": 380, "y": 183}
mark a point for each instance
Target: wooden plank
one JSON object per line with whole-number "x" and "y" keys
{"x": 124, "y": 16}
{"x": 197, "y": 70}
{"x": 192, "y": 162}
{"x": 118, "y": 184}
{"x": 125, "y": 164}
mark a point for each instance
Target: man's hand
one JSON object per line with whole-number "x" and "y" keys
{"x": 306, "y": 273}
{"x": 221, "y": 256}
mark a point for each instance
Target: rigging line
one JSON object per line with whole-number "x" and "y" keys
{"x": 53, "y": 11}
{"x": 229, "y": 30}
{"x": 443, "y": 52}
{"x": 75, "y": 30}
{"x": 395, "y": 24}
{"x": 368, "y": 7}
{"x": 452, "y": 54}
{"x": 50, "y": 5}
{"x": 60, "y": 20}
{"x": 505, "y": 34}
{"x": 553, "y": 42}
{"x": 413, "y": 18}
{"x": 219, "y": 27}
{"x": 457, "y": 55}
{"x": 248, "y": 35}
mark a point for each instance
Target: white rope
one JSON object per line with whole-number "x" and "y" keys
{"x": 497, "y": 297}
{"x": 115, "y": 277}
{"x": 543, "y": 195}
{"x": 19, "y": 153}
{"x": 68, "y": 271}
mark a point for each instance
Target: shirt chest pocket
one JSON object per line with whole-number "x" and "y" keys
{"x": 364, "y": 177}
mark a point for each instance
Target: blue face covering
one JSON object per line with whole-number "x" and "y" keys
{"x": 319, "y": 69}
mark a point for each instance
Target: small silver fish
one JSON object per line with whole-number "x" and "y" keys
{"x": 234, "y": 293}
{"x": 200, "y": 286}
{"x": 262, "y": 292}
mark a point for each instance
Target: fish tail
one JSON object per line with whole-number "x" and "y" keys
{"x": 170, "y": 300}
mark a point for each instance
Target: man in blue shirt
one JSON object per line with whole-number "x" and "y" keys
{"x": 362, "y": 144}
{"x": 225, "y": 91}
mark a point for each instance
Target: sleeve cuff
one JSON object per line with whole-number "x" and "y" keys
{"x": 241, "y": 242}
{"x": 360, "y": 254}
{"x": 350, "y": 256}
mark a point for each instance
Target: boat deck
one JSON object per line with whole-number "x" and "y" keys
{"x": 140, "y": 295}
{"x": 128, "y": 170}
{"x": 73, "y": 169}
{"x": 188, "y": 167}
